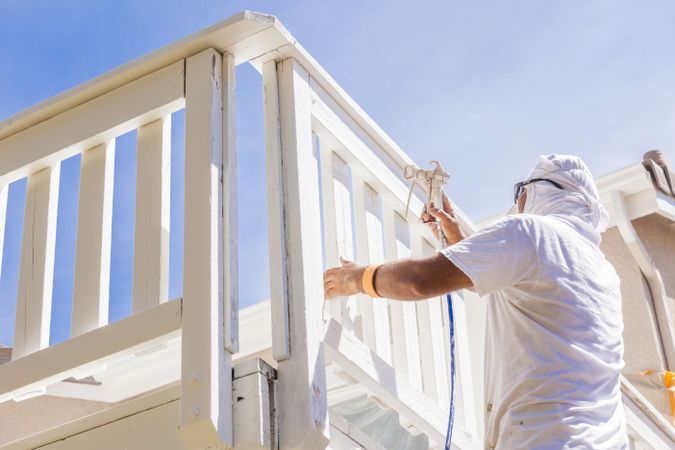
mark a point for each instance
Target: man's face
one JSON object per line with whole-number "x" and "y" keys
{"x": 521, "y": 201}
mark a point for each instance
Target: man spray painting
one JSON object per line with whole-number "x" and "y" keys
{"x": 554, "y": 349}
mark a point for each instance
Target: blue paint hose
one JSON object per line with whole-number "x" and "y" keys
{"x": 451, "y": 418}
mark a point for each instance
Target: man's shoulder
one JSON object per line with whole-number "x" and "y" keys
{"x": 516, "y": 222}
{"x": 526, "y": 222}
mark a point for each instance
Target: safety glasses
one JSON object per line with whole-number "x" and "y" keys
{"x": 518, "y": 188}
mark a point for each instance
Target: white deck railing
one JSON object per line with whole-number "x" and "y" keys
{"x": 334, "y": 188}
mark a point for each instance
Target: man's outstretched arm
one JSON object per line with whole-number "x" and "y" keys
{"x": 408, "y": 279}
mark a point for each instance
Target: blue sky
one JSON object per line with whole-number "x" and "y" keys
{"x": 483, "y": 86}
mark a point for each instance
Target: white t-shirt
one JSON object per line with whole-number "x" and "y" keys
{"x": 554, "y": 349}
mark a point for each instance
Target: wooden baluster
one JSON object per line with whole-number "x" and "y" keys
{"x": 94, "y": 233}
{"x": 344, "y": 232}
{"x": 206, "y": 375}
{"x": 151, "y": 242}
{"x": 366, "y": 329}
{"x": 466, "y": 404}
{"x": 425, "y": 321}
{"x": 405, "y": 336}
{"x": 36, "y": 271}
{"x": 4, "y": 190}
{"x": 398, "y": 337}
{"x": 404, "y": 246}
{"x": 333, "y": 228}
{"x": 296, "y": 269}
{"x": 435, "y": 308}
{"x": 370, "y": 246}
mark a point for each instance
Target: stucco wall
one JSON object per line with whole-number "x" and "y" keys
{"x": 658, "y": 235}
{"x": 642, "y": 345}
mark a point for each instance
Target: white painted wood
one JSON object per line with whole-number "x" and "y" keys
{"x": 409, "y": 310}
{"x": 152, "y": 428}
{"x": 206, "y": 379}
{"x": 251, "y": 399}
{"x": 650, "y": 435}
{"x": 331, "y": 241}
{"x": 4, "y": 190}
{"x": 93, "y": 349}
{"x": 464, "y": 381}
{"x": 36, "y": 270}
{"x": 437, "y": 308}
{"x": 229, "y": 210}
{"x": 348, "y": 352}
{"x": 345, "y": 436}
{"x": 94, "y": 232}
{"x": 94, "y": 122}
{"x": 254, "y": 411}
{"x": 329, "y": 223}
{"x": 97, "y": 419}
{"x": 302, "y": 378}
{"x": 644, "y": 409}
{"x": 365, "y": 157}
{"x": 153, "y": 196}
{"x": 398, "y": 329}
{"x": 374, "y": 232}
{"x": 366, "y": 331}
{"x": 338, "y": 233}
{"x": 242, "y": 34}
{"x": 275, "y": 215}
{"x": 426, "y": 336}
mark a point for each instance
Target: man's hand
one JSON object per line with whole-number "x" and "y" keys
{"x": 447, "y": 220}
{"x": 342, "y": 281}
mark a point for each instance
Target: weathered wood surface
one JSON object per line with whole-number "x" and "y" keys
{"x": 206, "y": 377}
{"x": 276, "y": 221}
{"x": 229, "y": 208}
{"x": 302, "y": 379}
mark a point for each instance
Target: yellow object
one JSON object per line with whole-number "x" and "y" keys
{"x": 367, "y": 281}
{"x": 669, "y": 382}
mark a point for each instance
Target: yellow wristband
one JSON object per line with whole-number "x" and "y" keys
{"x": 367, "y": 281}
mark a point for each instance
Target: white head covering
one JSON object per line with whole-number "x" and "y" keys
{"x": 579, "y": 198}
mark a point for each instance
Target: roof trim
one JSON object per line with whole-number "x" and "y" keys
{"x": 641, "y": 196}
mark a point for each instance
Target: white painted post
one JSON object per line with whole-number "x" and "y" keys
{"x": 229, "y": 209}
{"x": 4, "y": 189}
{"x": 303, "y": 411}
{"x": 153, "y": 192}
{"x": 94, "y": 233}
{"x": 206, "y": 375}
{"x": 36, "y": 271}
{"x": 275, "y": 212}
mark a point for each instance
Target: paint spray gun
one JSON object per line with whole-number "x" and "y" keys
{"x": 431, "y": 180}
